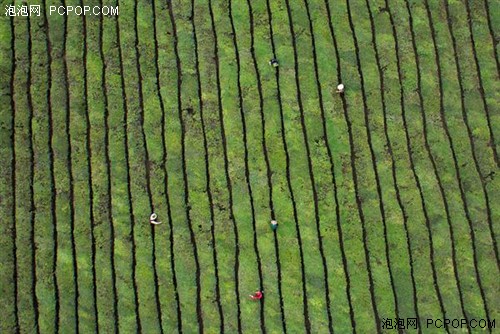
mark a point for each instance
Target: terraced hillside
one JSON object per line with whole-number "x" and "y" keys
{"x": 387, "y": 196}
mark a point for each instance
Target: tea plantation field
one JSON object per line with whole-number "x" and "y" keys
{"x": 387, "y": 196}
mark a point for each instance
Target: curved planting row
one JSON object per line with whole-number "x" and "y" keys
{"x": 247, "y": 177}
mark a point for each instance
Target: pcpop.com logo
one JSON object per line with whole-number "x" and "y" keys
{"x": 460, "y": 323}
{"x": 85, "y": 10}
{"x": 35, "y": 10}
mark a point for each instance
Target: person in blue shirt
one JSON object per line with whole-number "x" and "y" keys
{"x": 274, "y": 225}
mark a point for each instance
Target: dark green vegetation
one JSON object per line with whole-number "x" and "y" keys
{"x": 387, "y": 197}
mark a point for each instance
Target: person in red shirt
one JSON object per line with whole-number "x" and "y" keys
{"x": 257, "y": 295}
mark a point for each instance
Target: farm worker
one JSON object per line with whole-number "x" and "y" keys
{"x": 340, "y": 88}
{"x": 152, "y": 219}
{"x": 274, "y": 62}
{"x": 257, "y": 295}
{"x": 274, "y": 225}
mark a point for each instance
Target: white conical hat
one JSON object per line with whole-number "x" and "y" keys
{"x": 340, "y": 86}
{"x": 153, "y": 216}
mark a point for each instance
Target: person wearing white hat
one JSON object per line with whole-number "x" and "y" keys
{"x": 274, "y": 225}
{"x": 152, "y": 219}
{"x": 340, "y": 88}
